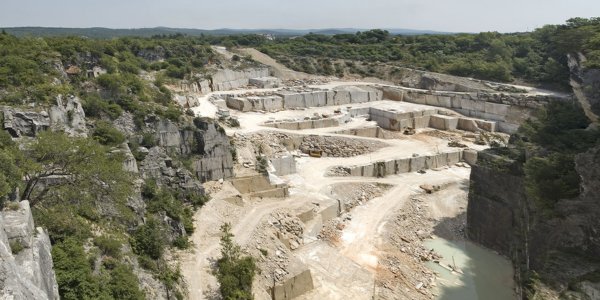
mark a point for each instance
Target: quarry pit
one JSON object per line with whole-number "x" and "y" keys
{"x": 331, "y": 180}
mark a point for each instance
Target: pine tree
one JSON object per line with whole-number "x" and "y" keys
{"x": 4, "y": 32}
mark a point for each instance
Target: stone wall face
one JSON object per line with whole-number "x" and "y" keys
{"x": 501, "y": 217}
{"x": 66, "y": 114}
{"x": 30, "y": 273}
{"x": 212, "y": 146}
{"x": 224, "y": 80}
{"x": 405, "y": 165}
{"x": 508, "y": 110}
{"x": 586, "y": 86}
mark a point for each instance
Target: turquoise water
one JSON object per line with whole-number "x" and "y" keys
{"x": 487, "y": 276}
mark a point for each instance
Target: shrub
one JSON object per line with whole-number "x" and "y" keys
{"x": 190, "y": 112}
{"x": 109, "y": 246}
{"x": 182, "y": 242}
{"x": 73, "y": 271}
{"x": 147, "y": 263}
{"x": 15, "y": 247}
{"x": 148, "y": 239}
{"x": 149, "y": 141}
{"x": 107, "y": 135}
{"x": 124, "y": 284}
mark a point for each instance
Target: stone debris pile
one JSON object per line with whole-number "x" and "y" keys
{"x": 275, "y": 141}
{"x": 338, "y": 171}
{"x": 364, "y": 193}
{"x": 338, "y": 146}
{"x": 310, "y": 81}
{"x": 292, "y": 229}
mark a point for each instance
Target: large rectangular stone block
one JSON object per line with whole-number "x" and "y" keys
{"x": 467, "y": 124}
{"x": 359, "y": 97}
{"x": 443, "y": 122}
{"x": 341, "y": 98}
{"x": 496, "y": 109}
{"x": 421, "y": 122}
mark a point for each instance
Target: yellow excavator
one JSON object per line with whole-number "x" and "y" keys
{"x": 409, "y": 130}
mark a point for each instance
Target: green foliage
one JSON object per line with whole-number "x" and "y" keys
{"x": 74, "y": 272}
{"x": 149, "y": 141}
{"x": 10, "y": 159}
{"x": 235, "y": 273}
{"x": 148, "y": 239}
{"x": 182, "y": 242}
{"x": 93, "y": 171}
{"x": 106, "y": 134}
{"x": 62, "y": 223}
{"x": 561, "y": 132}
{"x": 124, "y": 284}
{"x": 93, "y": 105}
{"x": 15, "y": 247}
{"x": 110, "y": 246}
{"x": 552, "y": 178}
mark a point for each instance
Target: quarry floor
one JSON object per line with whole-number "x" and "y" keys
{"x": 348, "y": 268}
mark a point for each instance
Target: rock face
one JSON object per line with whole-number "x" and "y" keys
{"x": 215, "y": 148}
{"x": 206, "y": 141}
{"x": 152, "y": 55}
{"x": 586, "y": 86}
{"x": 67, "y": 114}
{"x": 225, "y": 80}
{"x": 28, "y": 274}
{"x": 501, "y": 217}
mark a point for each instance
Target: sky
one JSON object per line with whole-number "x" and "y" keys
{"x": 438, "y": 15}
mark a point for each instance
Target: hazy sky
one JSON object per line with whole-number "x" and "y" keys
{"x": 440, "y": 15}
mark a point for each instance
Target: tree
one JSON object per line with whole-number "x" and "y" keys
{"x": 73, "y": 271}
{"x": 148, "y": 239}
{"x": 4, "y": 32}
{"x": 236, "y": 273}
{"x": 84, "y": 172}
{"x": 10, "y": 173}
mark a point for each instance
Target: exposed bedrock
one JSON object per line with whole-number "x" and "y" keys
{"x": 501, "y": 217}
{"x": 66, "y": 114}
{"x": 224, "y": 80}
{"x": 28, "y": 274}
{"x": 586, "y": 86}
{"x": 206, "y": 141}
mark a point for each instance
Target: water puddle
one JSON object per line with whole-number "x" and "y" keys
{"x": 486, "y": 276}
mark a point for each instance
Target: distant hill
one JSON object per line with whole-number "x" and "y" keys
{"x": 108, "y": 33}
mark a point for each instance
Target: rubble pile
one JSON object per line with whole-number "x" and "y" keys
{"x": 338, "y": 171}
{"x": 339, "y": 147}
{"x": 407, "y": 232}
{"x": 310, "y": 81}
{"x": 274, "y": 141}
{"x": 364, "y": 193}
{"x": 273, "y": 256}
{"x": 290, "y": 226}
{"x": 332, "y": 230}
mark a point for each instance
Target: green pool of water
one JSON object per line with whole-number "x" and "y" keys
{"x": 487, "y": 276}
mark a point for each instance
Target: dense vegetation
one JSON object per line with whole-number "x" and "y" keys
{"x": 537, "y": 57}
{"x": 551, "y": 142}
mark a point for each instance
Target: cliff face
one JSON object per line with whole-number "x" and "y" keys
{"x": 586, "y": 86}
{"x": 29, "y": 272}
{"x": 502, "y": 218}
{"x": 210, "y": 144}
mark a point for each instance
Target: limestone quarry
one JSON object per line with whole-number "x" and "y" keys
{"x": 336, "y": 185}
